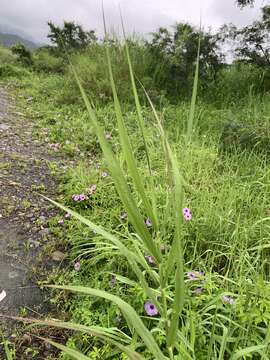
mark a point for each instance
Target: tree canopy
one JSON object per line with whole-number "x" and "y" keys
{"x": 71, "y": 36}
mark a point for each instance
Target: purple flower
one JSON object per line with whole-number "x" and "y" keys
{"x": 150, "y": 309}
{"x": 194, "y": 275}
{"x": 186, "y": 211}
{"x": 55, "y": 146}
{"x": 148, "y": 223}
{"x": 197, "y": 291}
{"x": 150, "y": 259}
{"x": 187, "y": 217}
{"x": 82, "y": 197}
{"x": 77, "y": 266}
{"x": 104, "y": 174}
{"x": 92, "y": 189}
{"x": 228, "y": 300}
{"x": 61, "y": 221}
{"x": 76, "y": 197}
{"x": 187, "y": 214}
{"x": 123, "y": 216}
{"x": 68, "y": 215}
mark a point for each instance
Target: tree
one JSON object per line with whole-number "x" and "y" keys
{"x": 174, "y": 56}
{"x": 23, "y": 54}
{"x": 71, "y": 36}
{"x": 252, "y": 42}
{"x": 243, "y": 3}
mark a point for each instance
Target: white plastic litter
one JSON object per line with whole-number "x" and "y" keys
{"x": 3, "y": 294}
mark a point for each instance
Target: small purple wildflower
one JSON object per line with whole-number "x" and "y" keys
{"x": 104, "y": 174}
{"x": 76, "y": 197}
{"x": 186, "y": 211}
{"x": 92, "y": 189}
{"x": 148, "y": 223}
{"x": 68, "y": 215}
{"x": 82, "y": 197}
{"x": 123, "y": 216}
{"x": 194, "y": 275}
{"x": 61, "y": 221}
{"x": 150, "y": 309}
{"x": 77, "y": 266}
{"x": 228, "y": 300}
{"x": 150, "y": 259}
{"x": 187, "y": 214}
{"x": 197, "y": 291}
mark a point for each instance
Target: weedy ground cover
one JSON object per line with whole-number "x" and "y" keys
{"x": 167, "y": 228}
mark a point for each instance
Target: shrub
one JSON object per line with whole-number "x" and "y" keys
{"x": 23, "y": 54}
{"x": 6, "y": 56}
{"x": 92, "y": 71}
{"x": 8, "y": 70}
{"x": 235, "y": 82}
{"x": 44, "y": 61}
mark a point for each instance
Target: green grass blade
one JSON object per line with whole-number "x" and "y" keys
{"x": 179, "y": 295}
{"x": 248, "y": 351}
{"x": 194, "y": 95}
{"x": 112, "y": 336}
{"x": 127, "y": 310}
{"x": 223, "y": 343}
{"x": 136, "y": 98}
{"x": 8, "y": 352}
{"x": 75, "y": 354}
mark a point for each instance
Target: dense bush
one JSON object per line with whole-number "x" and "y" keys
{"x": 235, "y": 82}
{"x": 7, "y": 70}
{"x": 47, "y": 62}
{"x": 23, "y": 54}
{"x": 6, "y": 56}
{"x": 91, "y": 68}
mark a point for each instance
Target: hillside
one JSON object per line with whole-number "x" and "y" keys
{"x": 10, "y": 39}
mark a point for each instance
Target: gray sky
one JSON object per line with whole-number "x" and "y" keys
{"x": 144, "y": 16}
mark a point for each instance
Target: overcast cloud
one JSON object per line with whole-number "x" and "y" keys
{"x": 31, "y": 16}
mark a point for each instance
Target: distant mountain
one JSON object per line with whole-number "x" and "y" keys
{"x": 9, "y": 40}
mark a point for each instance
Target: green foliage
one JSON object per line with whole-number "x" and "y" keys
{"x": 23, "y": 54}
{"x": 174, "y": 56}
{"x": 251, "y": 42}
{"x": 6, "y": 56}
{"x": 44, "y": 60}
{"x": 7, "y": 70}
{"x": 237, "y": 82}
{"x": 93, "y": 73}
{"x": 208, "y": 277}
{"x": 70, "y": 37}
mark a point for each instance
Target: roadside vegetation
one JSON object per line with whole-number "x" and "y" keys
{"x": 165, "y": 214}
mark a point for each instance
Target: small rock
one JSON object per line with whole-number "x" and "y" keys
{"x": 58, "y": 255}
{"x": 44, "y": 232}
{"x": 30, "y": 215}
{"x": 42, "y": 218}
{"x": 34, "y": 243}
{"x": 4, "y": 127}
